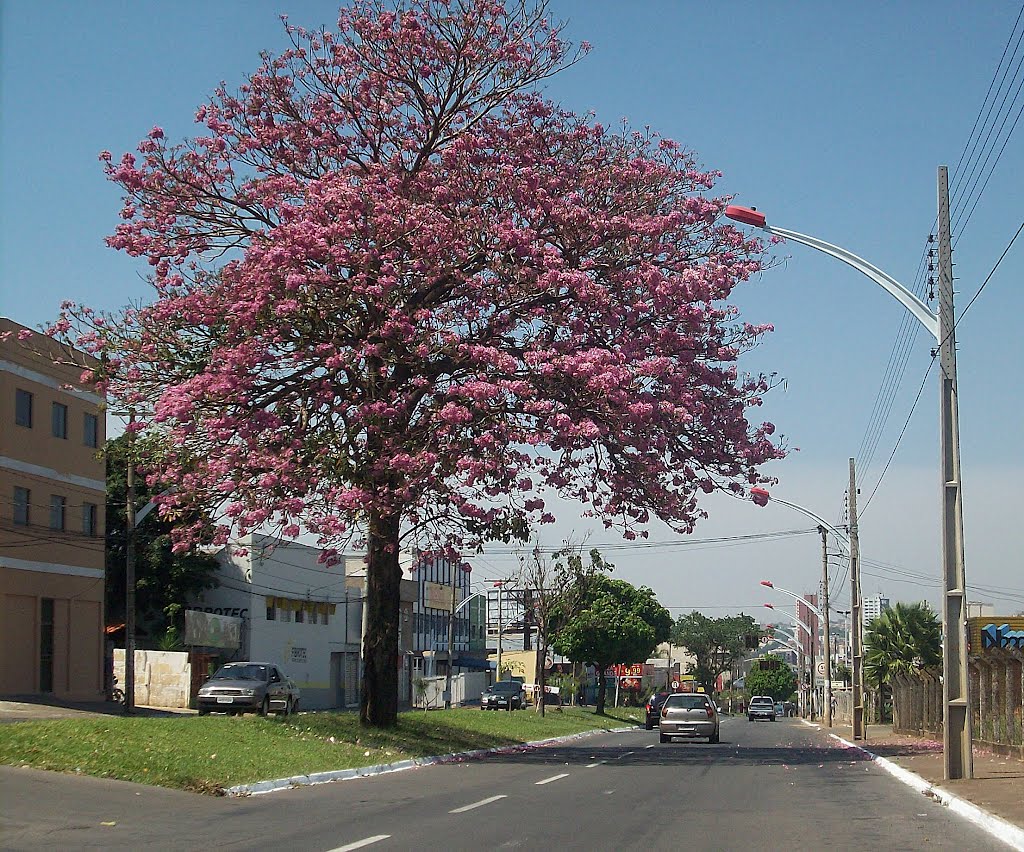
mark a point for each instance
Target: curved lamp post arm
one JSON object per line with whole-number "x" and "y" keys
{"x": 793, "y": 618}
{"x": 795, "y": 597}
{"x": 919, "y": 309}
{"x": 924, "y": 314}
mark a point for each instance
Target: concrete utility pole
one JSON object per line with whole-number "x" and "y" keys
{"x": 498, "y": 677}
{"x": 811, "y": 691}
{"x": 957, "y": 735}
{"x": 451, "y": 641}
{"x": 828, "y": 639}
{"x": 857, "y": 612}
{"x": 129, "y": 574}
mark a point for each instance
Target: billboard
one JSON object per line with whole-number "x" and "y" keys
{"x": 212, "y": 631}
{"x": 992, "y": 631}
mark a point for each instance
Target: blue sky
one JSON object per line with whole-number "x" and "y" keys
{"x": 831, "y": 118}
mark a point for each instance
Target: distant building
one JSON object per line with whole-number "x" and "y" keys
{"x": 977, "y": 609}
{"x": 52, "y": 520}
{"x": 874, "y": 605}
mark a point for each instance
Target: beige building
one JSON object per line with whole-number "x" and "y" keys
{"x": 52, "y": 499}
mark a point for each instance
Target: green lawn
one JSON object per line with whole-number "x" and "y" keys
{"x": 209, "y": 753}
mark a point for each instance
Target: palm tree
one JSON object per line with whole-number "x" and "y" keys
{"x": 901, "y": 641}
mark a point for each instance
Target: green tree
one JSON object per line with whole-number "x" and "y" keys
{"x": 767, "y": 678}
{"x": 615, "y": 622}
{"x": 901, "y": 640}
{"x": 716, "y": 643}
{"x": 164, "y": 579}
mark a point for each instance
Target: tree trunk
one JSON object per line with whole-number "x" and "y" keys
{"x": 601, "y": 687}
{"x": 378, "y": 705}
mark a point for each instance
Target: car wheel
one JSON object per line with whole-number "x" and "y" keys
{"x": 664, "y": 738}
{"x": 750, "y": 718}
{"x": 204, "y": 711}
{"x": 715, "y": 737}
{"x": 265, "y": 706}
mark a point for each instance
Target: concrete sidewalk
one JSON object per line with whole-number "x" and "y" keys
{"x": 24, "y": 708}
{"x": 997, "y": 786}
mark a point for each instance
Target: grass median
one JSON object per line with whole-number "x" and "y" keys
{"x": 210, "y": 753}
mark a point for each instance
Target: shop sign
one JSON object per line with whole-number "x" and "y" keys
{"x": 988, "y": 632}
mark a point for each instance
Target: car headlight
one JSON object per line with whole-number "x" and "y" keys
{"x": 248, "y": 692}
{"x": 205, "y": 690}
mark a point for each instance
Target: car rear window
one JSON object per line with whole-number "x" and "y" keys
{"x": 766, "y": 702}
{"x": 687, "y": 702}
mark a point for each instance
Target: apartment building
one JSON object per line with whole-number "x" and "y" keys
{"x": 52, "y": 500}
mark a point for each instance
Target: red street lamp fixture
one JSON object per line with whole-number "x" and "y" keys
{"x": 770, "y": 606}
{"x": 769, "y": 584}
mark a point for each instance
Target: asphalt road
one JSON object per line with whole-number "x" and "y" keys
{"x": 766, "y": 786}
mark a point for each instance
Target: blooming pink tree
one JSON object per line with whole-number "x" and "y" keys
{"x": 398, "y": 293}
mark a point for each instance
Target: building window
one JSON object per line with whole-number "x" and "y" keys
{"x": 89, "y": 519}
{"x": 271, "y": 613}
{"x": 57, "y": 504}
{"x": 313, "y": 616}
{"x": 300, "y": 615}
{"x": 59, "y": 419}
{"x": 91, "y": 431}
{"x": 285, "y": 615}
{"x": 23, "y": 408}
{"x": 22, "y": 500}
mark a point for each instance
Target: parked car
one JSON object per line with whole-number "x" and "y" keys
{"x": 689, "y": 715}
{"x": 237, "y": 688}
{"x": 780, "y": 709}
{"x": 503, "y": 695}
{"x": 653, "y": 708}
{"x": 761, "y": 707}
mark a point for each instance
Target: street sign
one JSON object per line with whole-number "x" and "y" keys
{"x": 675, "y": 684}
{"x": 821, "y": 668}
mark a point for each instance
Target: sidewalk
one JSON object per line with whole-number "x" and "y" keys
{"x": 24, "y": 708}
{"x": 997, "y": 786}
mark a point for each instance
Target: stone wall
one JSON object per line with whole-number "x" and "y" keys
{"x": 162, "y": 678}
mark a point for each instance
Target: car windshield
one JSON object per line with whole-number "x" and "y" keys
{"x": 765, "y": 701}
{"x": 241, "y": 671}
{"x": 506, "y": 686}
{"x": 687, "y": 702}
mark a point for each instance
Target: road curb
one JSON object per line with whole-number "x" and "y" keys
{"x": 260, "y": 787}
{"x": 1010, "y": 834}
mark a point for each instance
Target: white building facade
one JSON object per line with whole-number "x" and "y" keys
{"x": 874, "y": 606}
{"x": 296, "y": 612}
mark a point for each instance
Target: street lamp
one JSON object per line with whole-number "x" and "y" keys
{"x": 958, "y": 759}
{"x": 824, "y": 527}
{"x": 810, "y": 637}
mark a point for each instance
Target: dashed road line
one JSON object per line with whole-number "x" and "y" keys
{"x": 627, "y": 754}
{"x": 652, "y": 745}
{"x": 552, "y": 778}
{"x": 479, "y": 804}
{"x": 592, "y": 765}
{"x": 359, "y": 844}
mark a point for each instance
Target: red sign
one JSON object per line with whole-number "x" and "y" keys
{"x": 634, "y": 670}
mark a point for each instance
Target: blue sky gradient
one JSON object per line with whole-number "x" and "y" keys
{"x": 831, "y": 118}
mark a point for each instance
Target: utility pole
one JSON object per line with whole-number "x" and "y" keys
{"x": 828, "y": 638}
{"x": 958, "y": 754}
{"x": 129, "y": 574}
{"x": 498, "y": 584}
{"x": 811, "y": 691}
{"x": 451, "y": 641}
{"x": 857, "y": 612}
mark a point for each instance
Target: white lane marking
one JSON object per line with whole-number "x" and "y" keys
{"x": 552, "y": 778}
{"x": 627, "y": 754}
{"x": 479, "y": 804}
{"x": 649, "y": 746}
{"x": 359, "y": 844}
{"x": 592, "y": 765}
